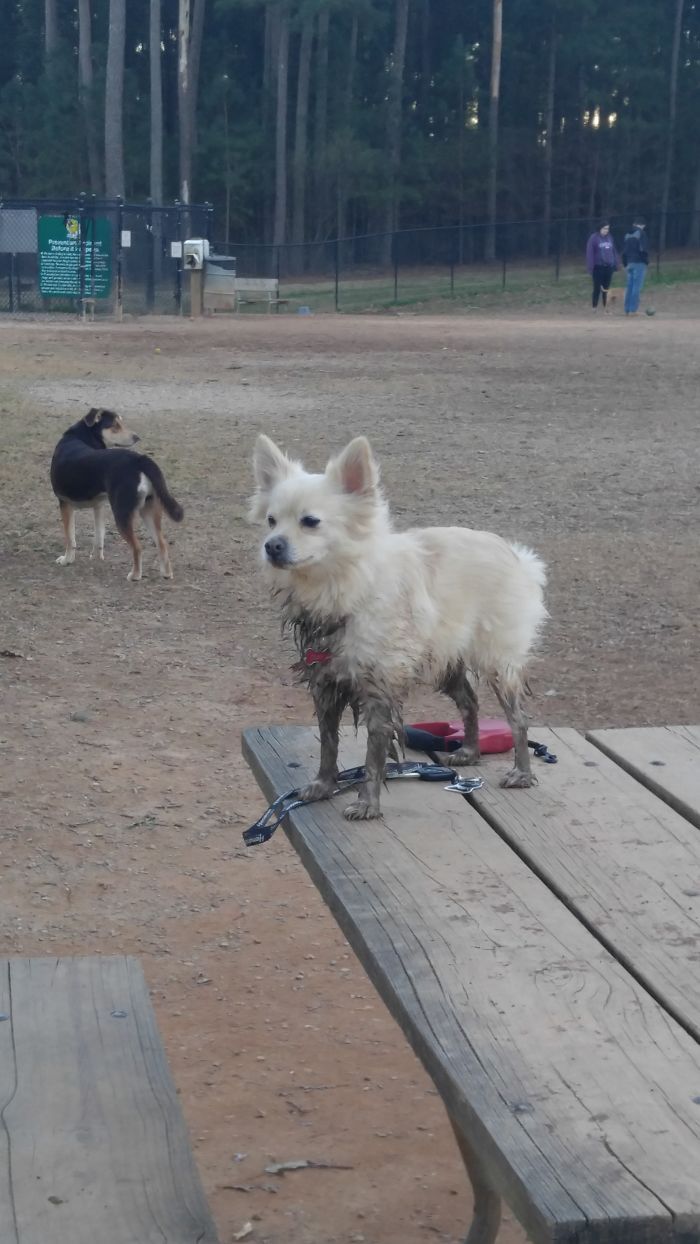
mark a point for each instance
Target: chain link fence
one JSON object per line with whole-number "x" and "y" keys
{"x": 100, "y": 256}
{"x": 108, "y": 257}
{"x": 381, "y": 270}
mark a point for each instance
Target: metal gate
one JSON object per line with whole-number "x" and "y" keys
{"x": 98, "y": 255}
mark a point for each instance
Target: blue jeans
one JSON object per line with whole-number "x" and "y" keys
{"x": 636, "y": 273}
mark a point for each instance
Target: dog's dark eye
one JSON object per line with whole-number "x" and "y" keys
{"x": 271, "y": 522}
{"x": 309, "y": 521}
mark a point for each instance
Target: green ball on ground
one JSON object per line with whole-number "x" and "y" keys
{"x": 651, "y": 311}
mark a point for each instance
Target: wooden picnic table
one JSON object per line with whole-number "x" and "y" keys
{"x": 93, "y": 1145}
{"x": 541, "y": 951}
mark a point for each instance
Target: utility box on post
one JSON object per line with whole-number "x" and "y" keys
{"x": 195, "y": 252}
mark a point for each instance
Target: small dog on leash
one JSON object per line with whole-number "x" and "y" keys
{"x": 373, "y": 609}
{"x": 93, "y": 465}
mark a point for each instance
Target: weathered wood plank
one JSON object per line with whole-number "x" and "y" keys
{"x": 572, "y": 1084}
{"x": 624, "y": 861}
{"x": 664, "y": 758}
{"x": 7, "y": 1088}
{"x": 98, "y": 1149}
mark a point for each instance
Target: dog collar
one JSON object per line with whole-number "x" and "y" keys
{"x": 312, "y": 656}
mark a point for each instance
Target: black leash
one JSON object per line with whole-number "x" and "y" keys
{"x": 272, "y": 818}
{"x": 542, "y": 752}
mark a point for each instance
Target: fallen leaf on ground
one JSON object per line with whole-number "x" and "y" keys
{"x": 248, "y": 1188}
{"x": 303, "y": 1164}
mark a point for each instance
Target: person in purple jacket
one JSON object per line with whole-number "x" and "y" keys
{"x": 602, "y": 262}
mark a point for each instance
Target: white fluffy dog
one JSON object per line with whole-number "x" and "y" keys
{"x": 374, "y": 609}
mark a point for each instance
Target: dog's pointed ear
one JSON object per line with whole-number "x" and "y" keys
{"x": 270, "y": 464}
{"x": 355, "y": 470}
{"x": 92, "y": 417}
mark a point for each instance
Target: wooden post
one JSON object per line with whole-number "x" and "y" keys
{"x": 196, "y": 293}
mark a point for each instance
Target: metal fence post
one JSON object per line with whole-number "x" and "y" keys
{"x": 395, "y": 252}
{"x": 93, "y": 213}
{"x": 178, "y": 267}
{"x": 336, "y": 264}
{"x": 119, "y": 305}
{"x": 150, "y": 260}
{"x": 453, "y": 260}
{"x": 557, "y": 252}
{"x": 81, "y": 253}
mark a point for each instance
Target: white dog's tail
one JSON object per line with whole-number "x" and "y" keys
{"x": 531, "y": 563}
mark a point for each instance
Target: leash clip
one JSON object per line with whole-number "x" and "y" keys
{"x": 465, "y": 785}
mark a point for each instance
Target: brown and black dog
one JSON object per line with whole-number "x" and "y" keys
{"x": 93, "y": 465}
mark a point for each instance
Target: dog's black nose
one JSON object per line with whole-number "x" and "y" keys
{"x": 276, "y": 548}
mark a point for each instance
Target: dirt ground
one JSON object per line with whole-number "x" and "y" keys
{"x": 122, "y": 790}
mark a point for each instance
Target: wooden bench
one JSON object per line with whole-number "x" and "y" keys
{"x": 259, "y": 289}
{"x": 93, "y": 1145}
{"x": 540, "y": 950}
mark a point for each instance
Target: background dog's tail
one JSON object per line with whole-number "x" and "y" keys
{"x": 153, "y": 472}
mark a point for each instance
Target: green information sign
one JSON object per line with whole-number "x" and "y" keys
{"x": 59, "y": 256}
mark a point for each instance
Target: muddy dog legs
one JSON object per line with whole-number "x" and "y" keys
{"x": 510, "y": 701}
{"x": 329, "y": 702}
{"x": 380, "y": 717}
{"x": 457, "y": 686}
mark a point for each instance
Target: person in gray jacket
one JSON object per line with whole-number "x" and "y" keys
{"x": 635, "y": 257}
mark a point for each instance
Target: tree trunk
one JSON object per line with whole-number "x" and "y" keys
{"x": 50, "y": 30}
{"x": 196, "y": 39}
{"x": 114, "y": 100}
{"x": 593, "y": 197}
{"x": 227, "y": 149}
{"x": 301, "y": 136}
{"x": 189, "y": 52}
{"x": 280, "y": 219}
{"x": 269, "y": 48}
{"x": 321, "y": 125}
{"x": 494, "y": 100}
{"x": 268, "y": 115}
{"x": 156, "y": 67}
{"x": 393, "y": 124}
{"x": 425, "y": 60}
{"x": 183, "y": 100}
{"x": 341, "y": 189}
{"x": 156, "y": 170}
{"x": 86, "y": 87}
{"x": 671, "y": 128}
{"x": 461, "y": 122}
{"x": 549, "y": 130}
{"x": 579, "y": 149}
